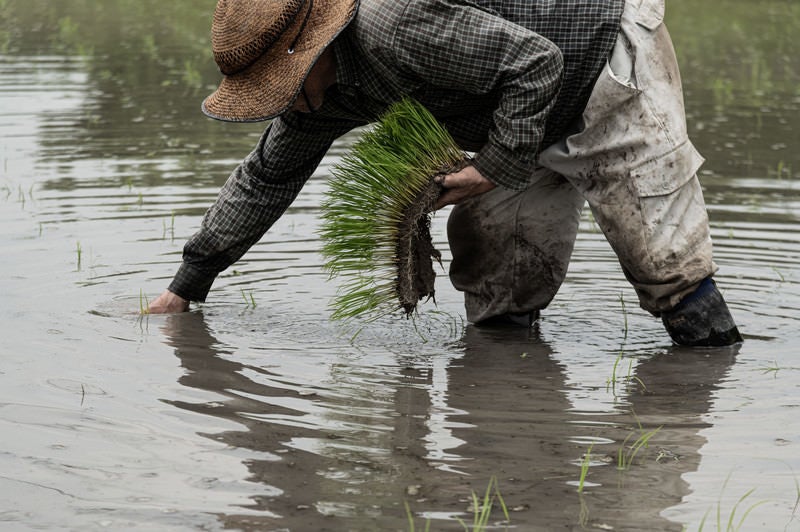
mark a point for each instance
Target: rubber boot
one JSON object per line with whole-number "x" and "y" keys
{"x": 702, "y": 319}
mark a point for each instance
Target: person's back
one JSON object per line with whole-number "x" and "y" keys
{"x": 584, "y": 31}
{"x": 388, "y": 34}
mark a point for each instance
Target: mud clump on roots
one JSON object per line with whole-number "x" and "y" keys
{"x": 415, "y": 252}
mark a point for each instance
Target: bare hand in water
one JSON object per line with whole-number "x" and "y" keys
{"x": 168, "y": 303}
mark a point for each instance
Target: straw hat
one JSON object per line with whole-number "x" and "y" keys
{"x": 265, "y": 49}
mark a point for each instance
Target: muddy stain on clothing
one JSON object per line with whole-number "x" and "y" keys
{"x": 259, "y": 413}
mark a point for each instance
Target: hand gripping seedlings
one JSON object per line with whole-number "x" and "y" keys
{"x": 377, "y": 215}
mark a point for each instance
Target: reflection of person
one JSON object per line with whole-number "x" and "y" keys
{"x": 245, "y": 401}
{"x": 505, "y": 413}
{"x": 562, "y": 103}
{"x": 517, "y": 423}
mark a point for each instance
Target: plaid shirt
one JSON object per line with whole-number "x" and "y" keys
{"x": 505, "y": 77}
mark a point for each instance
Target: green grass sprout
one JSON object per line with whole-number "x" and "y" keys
{"x": 731, "y": 525}
{"x": 249, "y": 300}
{"x": 410, "y": 517}
{"x": 376, "y": 217}
{"x": 587, "y": 458}
{"x": 627, "y": 453}
{"x": 144, "y": 304}
{"x": 482, "y": 508}
{"x": 774, "y": 369}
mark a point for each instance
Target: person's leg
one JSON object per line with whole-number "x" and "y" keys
{"x": 511, "y": 249}
{"x": 634, "y": 163}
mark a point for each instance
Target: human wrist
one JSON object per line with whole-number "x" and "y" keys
{"x": 192, "y": 283}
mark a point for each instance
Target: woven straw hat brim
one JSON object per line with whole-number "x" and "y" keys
{"x": 270, "y": 85}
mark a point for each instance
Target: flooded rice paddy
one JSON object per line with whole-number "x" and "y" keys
{"x": 256, "y": 412}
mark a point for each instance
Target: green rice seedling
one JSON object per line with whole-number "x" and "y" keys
{"x": 626, "y": 456}
{"x": 611, "y": 382}
{"x": 774, "y": 369}
{"x": 731, "y": 525}
{"x": 482, "y": 508}
{"x": 454, "y": 322}
{"x": 376, "y": 217}
{"x": 782, "y": 168}
{"x": 630, "y": 377}
{"x": 170, "y": 229}
{"x": 587, "y": 458}
{"x": 249, "y": 300}
{"x": 410, "y": 517}
{"x": 144, "y": 304}
{"x": 79, "y": 251}
{"x": 796, "y": 503}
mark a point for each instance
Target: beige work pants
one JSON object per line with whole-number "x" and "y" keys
{"x": 630, "y": 159}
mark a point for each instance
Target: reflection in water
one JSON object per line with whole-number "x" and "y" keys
{"x": 500, "y": 411}
{"x": 525, "y": 428}
{"x": 208, "y": 368}
{"x": 103, "y": 149}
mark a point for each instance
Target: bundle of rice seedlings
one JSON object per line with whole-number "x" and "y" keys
{"x": 377, "y": 215}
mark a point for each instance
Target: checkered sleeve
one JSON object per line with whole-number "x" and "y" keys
{"x": 256, "y": 194}
{"x": 456, "y": 44}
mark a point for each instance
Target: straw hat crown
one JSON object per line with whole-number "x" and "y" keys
{"x": 265, "y": 50}
{"x": 242, "y": 31}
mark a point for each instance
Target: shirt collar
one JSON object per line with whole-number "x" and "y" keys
{"x": 346, "y": 71}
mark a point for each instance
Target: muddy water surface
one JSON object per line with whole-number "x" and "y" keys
{"x": 269, "y": 417}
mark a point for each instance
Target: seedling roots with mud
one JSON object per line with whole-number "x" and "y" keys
{"x": 377, "y": 216}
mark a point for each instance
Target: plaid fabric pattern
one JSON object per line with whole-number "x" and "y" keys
{"x": 506, "y": 77}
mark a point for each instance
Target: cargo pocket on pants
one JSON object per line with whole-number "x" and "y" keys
{"x": 673, "y": 214}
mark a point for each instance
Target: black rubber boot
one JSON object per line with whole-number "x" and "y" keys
{"x": 702, "y": 319}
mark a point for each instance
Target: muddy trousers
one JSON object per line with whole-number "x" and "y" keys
{"x": 630, "y": 159}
